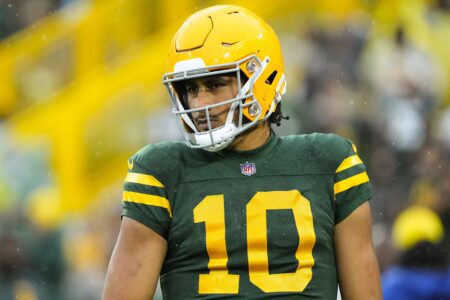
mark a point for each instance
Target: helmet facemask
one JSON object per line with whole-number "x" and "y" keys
{"x": 244, "y": 102}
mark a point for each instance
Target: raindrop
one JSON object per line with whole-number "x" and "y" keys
{"x": 10, "y": 5}
{"x": 18, "y": 249}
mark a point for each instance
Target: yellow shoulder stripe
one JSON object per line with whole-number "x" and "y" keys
{"x": 143, "y": 179}
{"x": 349, "y": 162}
{"x": 148, "y": 200}
{"x": 348, "y": 183}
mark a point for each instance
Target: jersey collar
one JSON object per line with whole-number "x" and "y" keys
{"x": 254, "y": 153}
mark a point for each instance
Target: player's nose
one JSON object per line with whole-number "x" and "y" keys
{"x": 204, "y": 98}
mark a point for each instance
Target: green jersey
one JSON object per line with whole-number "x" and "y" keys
{"x": 255, "y": 224}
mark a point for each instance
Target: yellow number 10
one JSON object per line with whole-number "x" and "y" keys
{"x": 211, "y": 211}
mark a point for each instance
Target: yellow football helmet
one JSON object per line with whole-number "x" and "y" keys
{"x": 417, "y": 224}
{"x": 219, "y": 40}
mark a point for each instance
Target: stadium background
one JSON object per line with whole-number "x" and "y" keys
{"x": 80, "y": 91}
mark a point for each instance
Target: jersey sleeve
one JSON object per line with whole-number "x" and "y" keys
{"x": 145, "y": 199}
{"x": 351, "y": 183}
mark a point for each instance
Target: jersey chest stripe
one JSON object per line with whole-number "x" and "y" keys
{"x": 143, "y": 179}
{"x": 349, "y": 162}
{"x": 348, "y": 183}
{"x": 147, "y": 200}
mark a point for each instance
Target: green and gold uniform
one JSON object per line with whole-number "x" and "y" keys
{"x": 252, "y": 225}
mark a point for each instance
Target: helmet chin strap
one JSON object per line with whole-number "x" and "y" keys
{"x": 225, "y": 134}
{"x": 220, "y": 137}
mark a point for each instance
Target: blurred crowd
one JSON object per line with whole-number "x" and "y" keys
{"x": 385, "y": 94}
{"x": 384, "y": 97}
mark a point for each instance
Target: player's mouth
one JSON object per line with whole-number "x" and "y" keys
{"x": 202, "y": 123}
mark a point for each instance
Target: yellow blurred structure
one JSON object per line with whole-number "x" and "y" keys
{"x": 102, "y": 60}
{"x": 84, "y": 80}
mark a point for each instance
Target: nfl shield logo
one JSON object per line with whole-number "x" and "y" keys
{"x": 248, "y": 168}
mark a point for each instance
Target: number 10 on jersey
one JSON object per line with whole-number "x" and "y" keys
{"x": 219, "y": 281}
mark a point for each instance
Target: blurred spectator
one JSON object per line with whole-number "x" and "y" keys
{"x": 12, "y": 264}
{"x": 443, "y": 128}
{"x": 330, "y": 81}
{"x": 422, "y": 270}
{"x": 403, "y": 80}
{"x": 31, "y": 256}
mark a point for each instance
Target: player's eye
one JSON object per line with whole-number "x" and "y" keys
{"x": 216, "y": 83}
{"x": 192, "y": 89}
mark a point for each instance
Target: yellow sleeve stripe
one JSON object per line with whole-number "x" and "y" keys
{"x": 143, "y": 179}
{"x": 147, "y": 200}
{"x": 349, "y": 162}
{"x": 348, "y": 183}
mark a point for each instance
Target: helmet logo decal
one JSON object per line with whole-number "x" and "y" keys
{"x": 248, "y": 169}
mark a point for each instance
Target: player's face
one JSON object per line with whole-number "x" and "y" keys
{"x": 210, "y": 90}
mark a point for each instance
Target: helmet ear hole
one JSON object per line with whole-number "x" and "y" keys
{"x": 271, "y": 77}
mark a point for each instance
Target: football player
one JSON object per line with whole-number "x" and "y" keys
{"x": 236, "y": 211}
